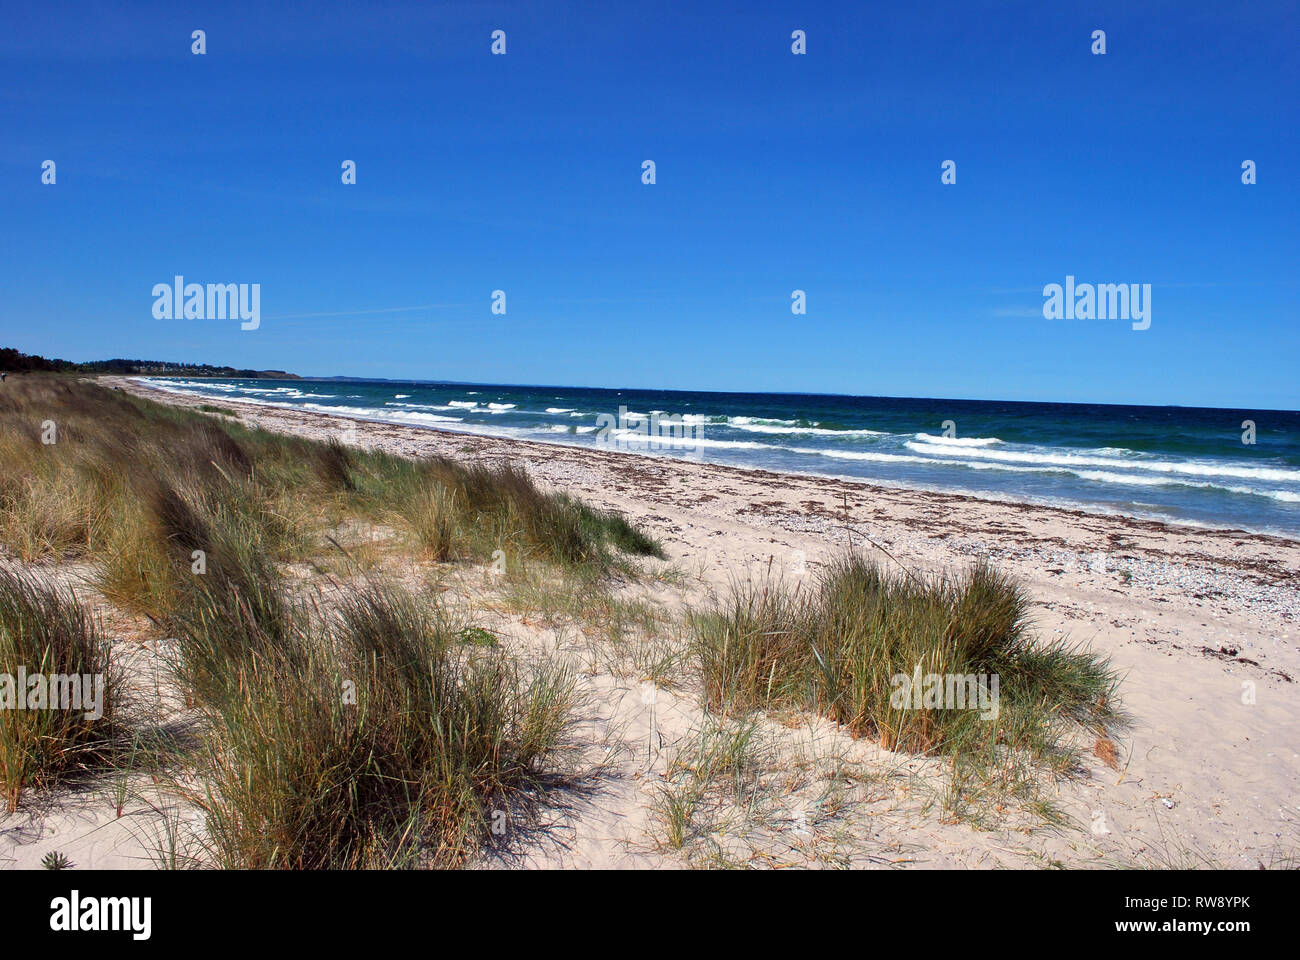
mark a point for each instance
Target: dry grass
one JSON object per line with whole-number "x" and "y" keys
{"x": 381, "y": 738}
{"x": 46, "y": 632}
{"x": 129, "y": 482}
{"x": 376, "y": 730}
{"x": 853, "y": 645}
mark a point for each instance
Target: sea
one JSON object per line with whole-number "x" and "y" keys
{"x": 1189, "y": 465}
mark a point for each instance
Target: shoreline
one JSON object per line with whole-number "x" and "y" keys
{"x": 142, "y": 387}
{"x": 729, "y": 519}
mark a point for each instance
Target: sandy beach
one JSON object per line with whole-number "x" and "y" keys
{"x": 1200, "y": 623}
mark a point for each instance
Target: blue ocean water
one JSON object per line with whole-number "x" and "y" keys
{"x": 1181, "y": 464}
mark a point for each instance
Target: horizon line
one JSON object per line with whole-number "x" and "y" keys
{"x": 757, "y": 393}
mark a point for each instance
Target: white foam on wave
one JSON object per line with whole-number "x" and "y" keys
{"x": 178, "y": 386}
{"x": 378, "y": 413}
{"x": 870, "y": 456}
{"x": 775, "y": 427}
{"x": 420, "y": 406}
{"x": 1101, "y": 476}
{"x": 1096, "y": 476}
{"x": 1182, "y": 467}
{"x": 957, "y": 441}
{"x": 636, "y": 438}
{"x": 186, "y": 386}
{"x": 362, "y": 412}
{"x": 810, "y": 431}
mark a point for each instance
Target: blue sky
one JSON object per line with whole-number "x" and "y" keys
{"x": 775, "y": 172}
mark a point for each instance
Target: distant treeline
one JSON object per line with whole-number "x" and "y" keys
{"x": 14, "y": 361}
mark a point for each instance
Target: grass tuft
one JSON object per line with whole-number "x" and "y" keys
{"x": 45, "y": 631}
{"x": 852, "y": 645}
{"x": 376, "y": 740}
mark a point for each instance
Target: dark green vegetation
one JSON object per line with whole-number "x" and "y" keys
{"x": 13, "y": 361}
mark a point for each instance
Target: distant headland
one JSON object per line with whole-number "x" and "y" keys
{"x": 14, "y": 361}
